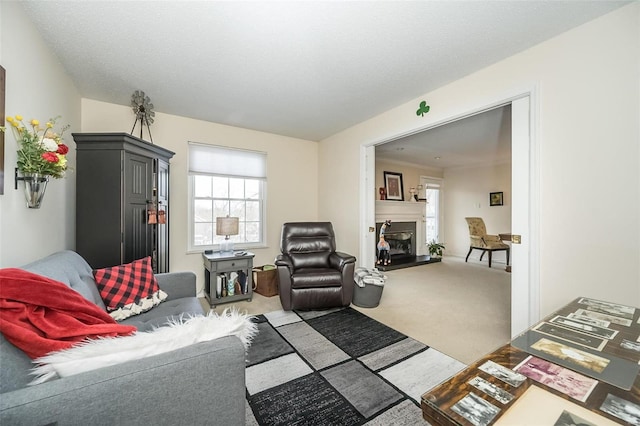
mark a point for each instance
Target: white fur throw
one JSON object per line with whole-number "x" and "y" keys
{"x": 93, "y": 354}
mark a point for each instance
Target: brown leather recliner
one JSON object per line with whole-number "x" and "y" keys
{"x": 311, "y": 273}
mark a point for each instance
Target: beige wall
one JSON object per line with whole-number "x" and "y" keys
{"x": 292, "y": 173}
{"x": 410, "y": 175}
{"x": 466, "y": 194}
{"x": 36, "y": 87}
{"x": 587, "y": 132}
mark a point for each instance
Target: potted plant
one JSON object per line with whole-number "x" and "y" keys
{"x": 435, "y": 248}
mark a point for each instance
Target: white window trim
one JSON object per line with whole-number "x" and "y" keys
{"x": 191, "y": 248}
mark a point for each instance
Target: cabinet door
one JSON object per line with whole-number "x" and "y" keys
{"x": 162, "y": 241}
{"x": 137, "y": 193}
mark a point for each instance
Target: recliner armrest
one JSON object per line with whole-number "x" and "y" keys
{"x": 284, "y": 261}
{"x": 338, "y": 260}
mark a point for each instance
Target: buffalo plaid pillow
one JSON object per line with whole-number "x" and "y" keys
{"x": 129, "y": 289}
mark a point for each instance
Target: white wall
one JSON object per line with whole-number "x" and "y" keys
{"x": 36, "y": 87}
{"x": 587, "y": 133}
{"x": 292, "y": 173}
{"x": 466, "y": 194}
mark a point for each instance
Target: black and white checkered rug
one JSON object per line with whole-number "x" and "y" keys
{"x": 338, "y": 367}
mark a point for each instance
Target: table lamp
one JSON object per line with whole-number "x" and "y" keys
{"x": 227, "y": 226}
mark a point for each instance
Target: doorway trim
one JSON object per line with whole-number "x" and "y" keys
{"x": 525, "y": 303}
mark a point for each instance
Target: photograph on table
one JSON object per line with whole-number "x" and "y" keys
{"x": 508, "y": 376}
{"x": 614, "y": 309}
{"x": 632, "y": 346}
{"x": 582, "y": 339}
{"x": 495, "y": 392}
{"x": 603, "y": 332}
{"x": 475, "y": 409}
{"x": 589, "y": 320}
{"x": 622, "y": 409}
{"x": 537, "y": 407}
{"x": 571, "y": 354}
{"x": 570, "y": 419}
{"x": 605, "y": 317}
{"x": 559, "y": 378}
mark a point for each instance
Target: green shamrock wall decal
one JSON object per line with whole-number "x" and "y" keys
{"x": 424, "y": 108}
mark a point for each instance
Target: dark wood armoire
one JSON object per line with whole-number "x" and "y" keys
{"x": 122, "y": 200}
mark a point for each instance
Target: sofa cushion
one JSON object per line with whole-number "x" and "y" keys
{"x": 69, "y": 268}
{"x": 316, "y": 277}
{"x": 16, "y": 366}
{"x": 129, "y": 289}
{"x": 168, "y": 310}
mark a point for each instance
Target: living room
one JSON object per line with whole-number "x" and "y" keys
{"x": 585, "y": 103}
{"x": 595, "y": 62}
{"x": 567, "y": 74}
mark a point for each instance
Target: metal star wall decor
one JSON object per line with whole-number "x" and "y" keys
{"x": 143, "y": 109}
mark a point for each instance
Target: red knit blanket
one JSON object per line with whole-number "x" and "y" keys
{"x": 40, "y": 315}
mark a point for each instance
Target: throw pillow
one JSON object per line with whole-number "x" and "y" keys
{"x": 129, "y": 289}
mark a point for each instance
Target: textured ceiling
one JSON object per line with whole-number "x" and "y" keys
{"x": 480, "y": 140}
{"x": 305, "y": 69}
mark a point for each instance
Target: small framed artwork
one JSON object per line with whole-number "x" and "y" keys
{"x": 495, "y": 199}
{"x": 393, "y": 185}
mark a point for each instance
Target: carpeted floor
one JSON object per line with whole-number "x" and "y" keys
{"x": 338, "y": 367}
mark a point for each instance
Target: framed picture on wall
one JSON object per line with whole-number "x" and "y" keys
{"x": 495, "y": 199}
{"x": 393, "y": 185}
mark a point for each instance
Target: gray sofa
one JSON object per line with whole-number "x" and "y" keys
{"x": 200, "y": 384}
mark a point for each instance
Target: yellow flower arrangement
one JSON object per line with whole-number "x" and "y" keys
{"x": 40, "y": 150}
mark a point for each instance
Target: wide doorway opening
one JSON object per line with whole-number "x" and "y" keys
{"x": 524, "y": 291}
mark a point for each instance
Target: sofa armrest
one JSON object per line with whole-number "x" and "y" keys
{"x": 177, "y": 284}
{"x": 171, "y": 388}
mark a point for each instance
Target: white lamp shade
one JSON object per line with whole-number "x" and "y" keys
{"x": 227, "y": 225}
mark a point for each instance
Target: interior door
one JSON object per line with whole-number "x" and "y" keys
{"x": 137, "y": 195}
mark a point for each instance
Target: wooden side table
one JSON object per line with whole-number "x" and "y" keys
{"x": 227, "y": 268}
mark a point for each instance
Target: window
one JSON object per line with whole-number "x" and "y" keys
{"x": 226, "y": 182}
{"x": 432, "y": 211}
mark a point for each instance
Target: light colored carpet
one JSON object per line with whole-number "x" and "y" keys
{"x": 461, "y": 309}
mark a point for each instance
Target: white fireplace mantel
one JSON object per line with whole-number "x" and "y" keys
{"x": 400, "y": 211}
{"x": 405, "y": 211}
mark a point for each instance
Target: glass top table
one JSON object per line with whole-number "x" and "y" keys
{"x": 582, "y": 361}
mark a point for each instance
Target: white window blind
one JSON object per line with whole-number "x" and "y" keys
{"x": 222, "y": 161}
